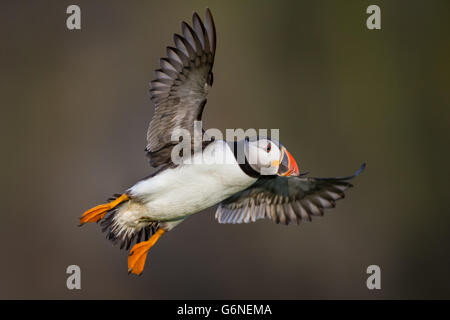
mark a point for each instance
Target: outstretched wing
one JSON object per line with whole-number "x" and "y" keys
{"x": 181, "y": 85}
{"x": 284, "y": 199}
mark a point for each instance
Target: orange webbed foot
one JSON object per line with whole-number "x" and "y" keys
{"x": 97, "y": 213}
{"x": 138, "y": 254}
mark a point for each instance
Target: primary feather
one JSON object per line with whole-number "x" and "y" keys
{"x": 181, "y": 86}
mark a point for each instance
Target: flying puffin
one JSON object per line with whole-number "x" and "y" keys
{"x": 269, "y": 186}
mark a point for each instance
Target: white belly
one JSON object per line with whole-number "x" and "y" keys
{"x": 190, "y": 188}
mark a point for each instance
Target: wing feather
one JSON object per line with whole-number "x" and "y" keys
{"x": 181, "y": 86}
{"x": 284, "y": 199}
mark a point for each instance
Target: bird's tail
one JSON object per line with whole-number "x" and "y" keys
{"x": 121, "y": 228}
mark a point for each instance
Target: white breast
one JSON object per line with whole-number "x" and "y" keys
{"x": 193, "y": 186}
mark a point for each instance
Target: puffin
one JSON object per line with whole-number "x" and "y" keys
{"x": 248, "y": 179}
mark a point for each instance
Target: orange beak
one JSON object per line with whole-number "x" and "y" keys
{"x": 288, "y": 166}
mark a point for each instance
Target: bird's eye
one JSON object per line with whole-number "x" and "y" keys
{"x": 269, "y": 147}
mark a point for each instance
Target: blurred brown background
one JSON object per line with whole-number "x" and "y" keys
{"x": 75, "y": 111}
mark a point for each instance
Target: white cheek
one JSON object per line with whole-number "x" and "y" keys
{"x": 266, "y": 158}
{"x": 260, "y": 158}
{"x": 276, "y": 155}
{"x": 254, "y": 156}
